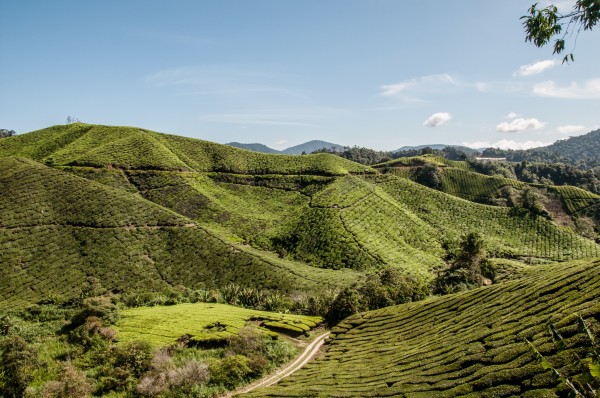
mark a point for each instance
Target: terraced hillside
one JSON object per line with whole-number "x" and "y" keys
{"x": 56, "y": 230}
{"x": 154, "y": 210}
{"x": 472, "y": 344}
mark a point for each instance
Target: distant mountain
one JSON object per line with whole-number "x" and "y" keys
{"x": 583, "y": 147}
{"x": 582, "y": 151}
{"x": 307, "y": 147}
{"x": 256, "y": 147}
{"x": 311, "y": 146}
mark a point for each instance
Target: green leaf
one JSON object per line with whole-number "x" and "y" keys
{"x": 595, "y": 369}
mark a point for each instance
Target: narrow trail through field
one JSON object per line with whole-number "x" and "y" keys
{"x": 309, "y": 352}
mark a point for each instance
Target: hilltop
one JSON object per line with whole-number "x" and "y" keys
{"x": 469, "y": 344}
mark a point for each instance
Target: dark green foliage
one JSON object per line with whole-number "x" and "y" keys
{"x": 4, "y": 133}
{"x": 540, "y": 172}
{"x": 468, "y": 266}
{"x": 382, "y": 288}
{"x": 428, "y": 175}
{"x": 231, "y": 371}
{"x": 346, "y": 303}
{"x": 544, "y": 24}
{"x": 18, "y": 360}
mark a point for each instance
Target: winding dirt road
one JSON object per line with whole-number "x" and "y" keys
{"x": 309, "y": 352}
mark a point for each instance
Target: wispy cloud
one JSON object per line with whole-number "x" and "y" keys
{"x": 221, "y": 80}
{"x": 511, "y": 115}
{"x": 535, "y": 68}
{"x": 437, "y": 119}
{"x": 571, "y": 129}
{"x": 409, "y": 90}
{"x": 588, "y": 90}
{"x": 306, "y": 117}
{"x": 517, "y": 125}
{"x": 506, "y": 144}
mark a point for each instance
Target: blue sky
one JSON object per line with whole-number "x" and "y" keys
{"x": 374, "y": 73}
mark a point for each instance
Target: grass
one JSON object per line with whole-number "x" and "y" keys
{"x": 468, "y": 344}
{"x": 203, "y": 322}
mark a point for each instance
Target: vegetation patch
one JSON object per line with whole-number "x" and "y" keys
{"x": 202, "y": 322}
{"x": 474, "y": 343}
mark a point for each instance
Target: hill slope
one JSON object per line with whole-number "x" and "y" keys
{"x": 582, "y": 147}
{"x": 56, "y": 230}
{"x": 80, "y": 144}
{"x": 469, "y": 344}
{"x": 322, "y": 210}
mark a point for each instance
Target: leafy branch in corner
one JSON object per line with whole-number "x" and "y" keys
{"x": 543, "y": 24}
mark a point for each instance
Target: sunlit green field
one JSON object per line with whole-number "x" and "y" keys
{"x": 204, "y": 322}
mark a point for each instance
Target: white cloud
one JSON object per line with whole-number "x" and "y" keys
{"x": 570, "y": 129}
{"x": 395, "y": 89}
{"x": 506, "y": 144}
{"x": 520, "y": 124}
{"x": 588, "y": 90}
{"x": 511, "y": 115}
{"x": 437, "y": 119}
{"x": 535, "y": 68}
{"x": 406, "y": 89}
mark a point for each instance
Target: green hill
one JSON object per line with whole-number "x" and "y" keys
{"x": 56, "y": 230}
{"x": 154, "y": 210}
{"x": 471, "y": 344}
{"x": 80, "y": 144}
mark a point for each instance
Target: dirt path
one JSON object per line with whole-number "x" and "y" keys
{"x": 309, "y": 352}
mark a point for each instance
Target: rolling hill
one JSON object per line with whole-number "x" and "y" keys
{"x": 138, "y": 208}
{"x": 473, "y": 344}
{"x": 57, "y": 229}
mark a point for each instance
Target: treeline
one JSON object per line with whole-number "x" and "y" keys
{"x": 581, "y": 151}
{"x": 369, "y": 156}
{"x": 541, "y": 173}
{"x": 4, "y": 133}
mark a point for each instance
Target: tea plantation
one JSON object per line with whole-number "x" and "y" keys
{"x": 155, "y": 210}
{"x": 57, "y": 229}
{"x": 471, "y": 344}
{"x": 204, "y": 323}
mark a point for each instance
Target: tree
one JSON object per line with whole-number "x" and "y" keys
{"x": 469, "y": 266}
{"x": 544, "y": 24}
{"x": 4, "y": 133}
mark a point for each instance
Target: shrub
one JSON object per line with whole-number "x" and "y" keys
{"x": 231, "y": 371}
{"x": 72, "y": 383}
{"x": 346, "y": 304}
{"x": 17, "y": 363}
{"x": 468, "y": 266}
